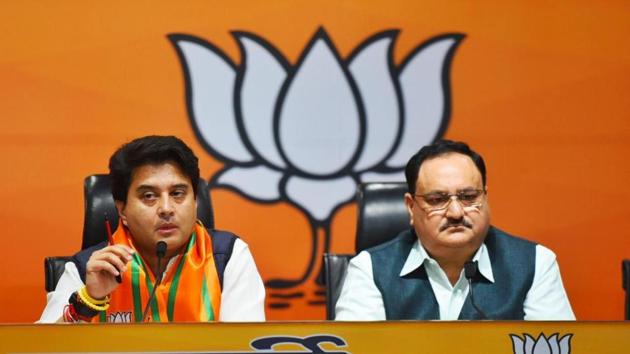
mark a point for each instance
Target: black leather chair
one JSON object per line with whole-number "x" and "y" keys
{"x": 99, "y": 204}
{"x": 381, "y": 216}
{"x": 625, "y": 274}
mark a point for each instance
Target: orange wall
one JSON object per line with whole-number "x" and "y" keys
{"x": 537, "y": 89}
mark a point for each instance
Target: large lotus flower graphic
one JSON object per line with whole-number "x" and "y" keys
{"x": 543, "y": 345}
{"x": 308, "y": 133}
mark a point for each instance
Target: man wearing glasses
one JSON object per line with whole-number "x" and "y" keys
{"x": 452, "y": 264}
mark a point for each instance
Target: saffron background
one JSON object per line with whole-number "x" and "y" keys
{"x": 537, "y": 88}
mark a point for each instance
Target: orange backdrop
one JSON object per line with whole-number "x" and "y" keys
{"x": 537, "y": 89}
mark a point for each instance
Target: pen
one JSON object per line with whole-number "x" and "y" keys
{"x": 111, "y": 241}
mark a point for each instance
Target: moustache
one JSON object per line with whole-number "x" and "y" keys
{"x": 456, "y": 223}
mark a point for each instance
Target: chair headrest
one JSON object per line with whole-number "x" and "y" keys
{"x": 99, "y": 203}
{"x": 382, "y": 213}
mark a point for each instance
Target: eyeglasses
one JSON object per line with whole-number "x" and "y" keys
{"x": 468, "y": 198}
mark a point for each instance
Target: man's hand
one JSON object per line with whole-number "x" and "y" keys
{"x": 103, "y": 267}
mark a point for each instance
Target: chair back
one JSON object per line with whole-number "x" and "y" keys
{"x": 99, "y": 204}
{"x": 382, "y": 213}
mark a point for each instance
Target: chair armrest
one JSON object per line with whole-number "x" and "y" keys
{"x": 335, "y": 266}
{"x": 625, "y": 283}
{"x": 53, "y": 268}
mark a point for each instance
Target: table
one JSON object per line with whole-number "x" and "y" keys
{"x": 321, "y": 337}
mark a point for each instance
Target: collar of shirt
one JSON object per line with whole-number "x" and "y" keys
{"x": 418, "y": 255}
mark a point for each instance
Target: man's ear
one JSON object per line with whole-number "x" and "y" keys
{"x": 120, "y": 206}
{"x": 409, "y": 204}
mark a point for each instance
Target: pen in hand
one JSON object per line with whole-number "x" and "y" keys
{"x": 111, "y": 242}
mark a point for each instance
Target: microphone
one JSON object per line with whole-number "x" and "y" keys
{"x": 470, "y": 270}
{"x": 160, "y": 252}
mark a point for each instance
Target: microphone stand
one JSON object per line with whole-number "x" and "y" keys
{"x": 160, "y": 250}
{"x": 470, "y": 270}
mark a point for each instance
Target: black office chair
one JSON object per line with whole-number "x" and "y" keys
{"x": 381, "y": 216}
{"x": 625, "y": 281}
{"x": 99, "y": 204}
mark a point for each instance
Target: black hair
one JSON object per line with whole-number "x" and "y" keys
{"x": 441, "y": 147}
{"x": 150, "y": 150}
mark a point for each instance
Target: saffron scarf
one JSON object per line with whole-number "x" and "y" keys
{"x": 190, "y": 289}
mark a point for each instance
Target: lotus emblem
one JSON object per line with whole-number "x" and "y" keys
{"x": 307, "y": 133}
{"x": 543, "y": 345}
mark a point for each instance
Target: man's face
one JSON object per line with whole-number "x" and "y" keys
{"x": 457, "y": 228}
{"x": 160, "y": 205}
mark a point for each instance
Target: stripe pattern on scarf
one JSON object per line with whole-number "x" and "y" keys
{"x": 190, "y": 289}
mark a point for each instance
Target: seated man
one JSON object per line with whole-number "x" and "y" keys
{"x": 154, "y": 185}
{"x": 420, "y": 273}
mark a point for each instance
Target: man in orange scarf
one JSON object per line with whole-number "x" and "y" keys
{"x": 154, "y": 185}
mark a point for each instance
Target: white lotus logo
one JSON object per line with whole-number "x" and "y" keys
{"x": 307, "y": 133}
{"x": 120, "y": 317}
{"x": 543, "y": 345}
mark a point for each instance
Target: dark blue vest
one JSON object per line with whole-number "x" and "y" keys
{"x": 513, "y": 263}
{"x": 222, "y": 245}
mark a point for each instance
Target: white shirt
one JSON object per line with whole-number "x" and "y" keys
{"x": 360, "y": 299}
{"x": 242, "y": 296}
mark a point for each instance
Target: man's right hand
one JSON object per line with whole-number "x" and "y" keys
{"x": 103, "y": 267}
